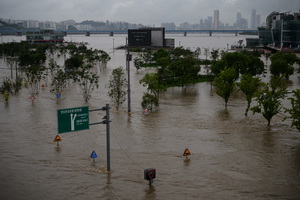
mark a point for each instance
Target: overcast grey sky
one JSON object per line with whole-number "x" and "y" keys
{"x": 147, "y": 12}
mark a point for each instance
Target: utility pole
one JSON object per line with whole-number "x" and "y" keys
{"x": 128, "y": 59}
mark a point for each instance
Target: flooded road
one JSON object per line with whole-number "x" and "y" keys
{"x": 232, "y": 156}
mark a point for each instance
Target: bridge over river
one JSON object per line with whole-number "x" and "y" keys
{"x": 13, "y": 31}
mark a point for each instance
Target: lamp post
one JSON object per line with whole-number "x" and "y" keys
{"x": 128, "y": 59}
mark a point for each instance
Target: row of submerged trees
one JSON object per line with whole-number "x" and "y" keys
{"x": 178, "y": 67}
{"x": 80, "y": 67}
{"x": 226, "y": 70}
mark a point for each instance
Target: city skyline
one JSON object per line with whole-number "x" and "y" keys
{"x": 152, "y": 12}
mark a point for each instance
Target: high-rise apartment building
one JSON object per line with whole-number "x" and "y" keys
{"x": 258, "y": 20}
{"x": 253, "y": 19}
{"x": 238, "y": 17}
{"x": 241, "y": 23}
{"x": 216, "y": 19}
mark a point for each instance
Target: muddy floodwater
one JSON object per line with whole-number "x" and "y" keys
{"x": 232, "y": 156}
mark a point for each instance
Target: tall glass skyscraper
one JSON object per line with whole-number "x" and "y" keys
{"x": 216, "y": 19}
{"x": 253, "y": 19}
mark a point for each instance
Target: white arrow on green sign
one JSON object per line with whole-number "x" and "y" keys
{"x": 73, "y": 119}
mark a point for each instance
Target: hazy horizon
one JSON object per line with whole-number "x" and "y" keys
{"x": 151, "y": 12}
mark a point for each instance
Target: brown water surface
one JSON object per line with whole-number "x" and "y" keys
{"x": 232, "y": 156}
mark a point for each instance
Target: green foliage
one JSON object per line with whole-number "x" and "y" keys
{"x": 34, "y": 56}
{"x": 59, "y": 81}
{"x": 34, "y": 74}
{"x": 294, "y": 111}
{"x": 6, "y": 96}
{"x": 242, "y": 62}
{"x": 282, "y": 64}
{"x": 104, "y": 57}
{"x": 147, "y": 56}
{"x": 179, "y": 67}
{"x": 78, "y": 66}
{"x": 254, "y": 66}
{"x": 149, "y": 100}
{"x": 214, "y": 55}
{"x": 185, "y": 70}
{"x": 249, "y": 86}
{"x": 73, "y": 63}
{"x": 117, "y": 86}
{"x": 137, "y": 49}
{"x": 151, "y": 81}
{"x": 269, "y": 99}
{"x": 160, "y": 53}
{"x": 6, "y": 86}
{"x": 16, "y": 85}
{"x": 180, "y": 52}
{"x": 87, "y": 80}
{"x": 224, "y": 83}
{"x": 138, "y": 62}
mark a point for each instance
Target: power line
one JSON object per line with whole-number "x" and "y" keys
{"x": 126, "y": 152}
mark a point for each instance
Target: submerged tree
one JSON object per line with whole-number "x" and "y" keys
{"x": 34, "y": 75}
{"x": 117, "y": 86}
{"x": 59, "y": 82}
{"x": 103, "y": 58}
{"x": 6, "y": 88}
{"x": 149, "y": 100}
{"x": 185, "y": 71}
{"x": 268, "y": 99}
{"x": 243, "y": 63}
{"x": 294, "y": 111}
{"x": 282, "y": 64}
{"x": 138, "y": 62}
{"x": 249, "y": 86}
{"x": 154, "y": 88}
{"x": 214, "y": 55}
{"x": 224, "y": 83}
{"x": 87, "y": 80}
{"x": 151, "y": 81}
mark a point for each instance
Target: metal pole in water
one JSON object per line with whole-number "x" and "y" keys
{"x": 128, "y": 58}
{"x": 107, "y": 137}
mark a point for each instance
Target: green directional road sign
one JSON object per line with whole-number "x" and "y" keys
{"x": 73, "y": 119}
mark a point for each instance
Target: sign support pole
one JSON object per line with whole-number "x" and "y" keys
{"x": 108, "y": 137}
{"x": 106, "y": 121}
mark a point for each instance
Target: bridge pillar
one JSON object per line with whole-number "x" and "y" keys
{"x": 111, "y": 34}
{"x": 87, "y": 33}
{"x": 184, "y": 34}
{"x": 210, "y": 33}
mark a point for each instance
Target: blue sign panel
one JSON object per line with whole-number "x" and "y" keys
{"x": 93, "y": 155}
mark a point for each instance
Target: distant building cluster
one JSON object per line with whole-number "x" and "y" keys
{"x": 37, "y": 24}
{"x": 214, "y": 23}
{"x": 210, "y": 23}
{"x": 70, "y": 25}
